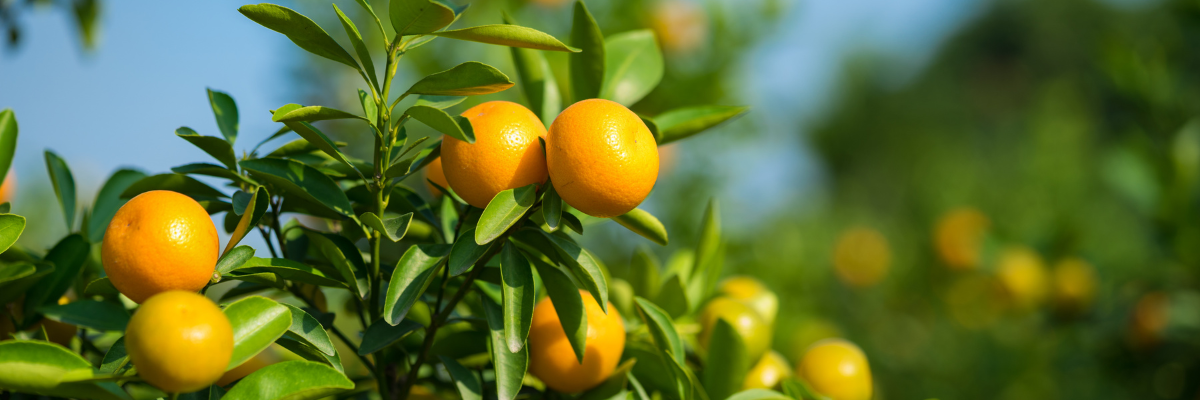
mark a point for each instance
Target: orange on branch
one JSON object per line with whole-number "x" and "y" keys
{"x": 768, "y": 372}
{"x": 602, "y": 158}
{"x": 1023, "y": 276}
{"x": 958, "y": 237}
{"x": 553, "y": 361}
{"x": 179, "y": 341}
{"x": 861, "y": 257}
{"x": 159, "y": 241}
{"x": 506, "y": 153}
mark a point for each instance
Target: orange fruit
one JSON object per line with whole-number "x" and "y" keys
{"x": 1150, "y": 318}
{"x": 1073, "y": 285}
{"x": 768, "y": 372}
{"x": 959, "y": 236}
{"x": 861, "y": 257}
{"x": 603, "y": 159}
{"x": 812, "y": 330}
{"x": 506, "y": 153}
{"x": 752, "y": 292}
{"x": 433, "y": 172}
{"x": 755, "y": 332}
{"x": 159, "y": 241}
{"x": 179, "y": 341}
{"x": 551, "y": 358}
{"x": 838, "y": 369}
{"x": 1023, "y": 277}
{"x": 9, "y": 187}
{"x": 681, "y": 26}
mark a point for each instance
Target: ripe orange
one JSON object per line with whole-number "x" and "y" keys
{"x": 811, "y": 330}
{"x": 603, "y": 159}
{"x": 1023, "y": 277}
{"x": 1074, "y": 285}
{"x": 770, "y": 370}
{"x": 434, "y": 172}
{"x": 179, "y": 341}
{"x": 861, "y": 257}
{"x": 959, "y": 237}
{"x": 838, "y": 369}
{"x": 159, "y": 241}
{"x": 755, "y": 332}
{"x": 551, "y": 358}
{"x": 506, "y": 153}
{"x": 752, "y": 292}
{"x": 9, "y": 187}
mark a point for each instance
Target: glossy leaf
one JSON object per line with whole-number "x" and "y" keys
{"x": 727, "y": 364}
{"x": 288, "y": 269}
{"x": 412, "y": 276}
{"x": 101, "y": 287}
{"x": 360, "y": 47}
{"x": 392, "y": 228}
{"x": 8, "y": 140}
{"x": 116, "y": 360}
{"x": 466, "y": 79}
{"x": 298, "y": 179}
{"x": 98, "y": 315}
{"x": 310, "y": 114}
{"x": 233, "y": 259}
{"x": 633, "y": 66}
{"x": 346, "y": 261}
{"x": 370, "y": 108}
{"x": 318, "y": 139}
{"x": 583, "y": 265}
{"x": 218, "y": 171}
{"x": 469, "y": 386}
{"x": 508, "y": 35}
{"x": 255, "y": 209}
{"x": 439, "y": 102}
{"x": 682, "y": 123}
{"x": 455, "y": 126}
{"x": 568, "y": 304}
{"x": 300, "y": 29}
{"x": 643, "y": 223}
{"x": 662, "y": 330}
{"x": 48, "y": 369}
{"x": 516, "y": 279}
{"x": 307, "y": 330}
{"x": 64, "y": 186}
{"x": 11, "y": 227}
{"x": 174, "y": 182}
{"x": 466, "y": 252}
{"x": 382, "y": 334}
{"x": 108, "y": 201}
{"x": 291, "y": 380}
{"x": 586, "y": 66}
{"x": 410, "y": 17}
{"x": 67, "y": 257}
{"x": 218, "y": 148}
{"x": 448, "y": 214}
{"x": 226, "y": 112}
{"x": 257, "y": 321}
{"x": 309, "y": 353}
{"x": 552, "y": 207}
{"x": 510, "y": 367}
{"x": 503, "y": 212}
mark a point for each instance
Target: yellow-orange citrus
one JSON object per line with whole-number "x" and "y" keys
{"x": 959, "y": 236}
{"x": 681, "y": 26}
{"x": 433, "y": 172}
{"x": 551, "y": 358}
{"x": 1150, "y": 318}
{"x": 755, "y": 332}
{"x": 861, "y": 257}
{"x": 159, "y": 241}
{"x": 752, "y": 292}
{"x": 838, "y": 369}
{"x": 179, "y": 341}
{"x": 9, "y": 187}
{"x": 603, "y": 160}
{"x": 506, "y": 153}
{"x": 812, "y": 330}
{"x": 1074, "y": 285}
{"x": 768, "y": 372}
{"x": 1023, "y": 276}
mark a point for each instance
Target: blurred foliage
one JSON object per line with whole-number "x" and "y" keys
{"x": 84, "y": 15}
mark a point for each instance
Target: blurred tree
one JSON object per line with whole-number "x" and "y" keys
{"x": 84, "y": 13}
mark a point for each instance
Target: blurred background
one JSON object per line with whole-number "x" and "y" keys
{"x": 994, "y": 199}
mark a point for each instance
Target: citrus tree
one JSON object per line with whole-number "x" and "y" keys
{"x": 479, "y": 289}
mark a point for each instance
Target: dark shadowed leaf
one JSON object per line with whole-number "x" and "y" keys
{"x": 318, "y": 139}
{"x": 297, "y": 179}
{"x": 116, "y": 360}
{"x": 503, "y": 212}
{"x": 508, "y": 35}
{"x": 218, "y": 171}
{"x": 174, "y": 182}
{"x": 288, "y": 269}
{"x": 255, "y": 209}
{"x": 98, "y": 315}
{"x": 455, "y": 126}
{"x": 586, "y": 66}
{"x": 466, "y": 79}
{"x": 466, "y": 252}
{"x": 682, "y": 123}
{"x": 67, "y": 257}
{"x": 662, "y": 330}
{"x": 382, "y": 334}
{"x": 673, "y": 297}
{"x": 108, "y": 201}
{"x": 552, "y": 207}
{"x": 300, "y": 29}
{"x": 345, "y": 258}
{"x": 291, "y": 380}
{"x": 568, "y": 304}
{"x": 64, "y": 186}
{"x": 218, "y": 148}
{"x": 257, "y": 321}
{"x": 584, "y": 266}
{"x": 469, "y": 386}
{"x": 412, "y": 275}
{"x": 613, "y": 386}
{"x": 309, "y": 353}
{"x": 100, "y": 287}
{"x": 226, "y": 112}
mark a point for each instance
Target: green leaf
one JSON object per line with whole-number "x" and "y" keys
{"x": 586, "y": 66}
{"x": 250, "y": 217}
{"x": 11, "y": 227}
{"x": 291, "y": 380}
{"x": 583, "y": 265}
{"x": 439, "y": 102}
{"x": 67, "y": 257}
{"x": 218, "y": 171}
{"x": 382, "y": 334}
{"x": 510, "y": 367}
{"x": 706, "y": 267}
{"x": 799, "y": 390}
{"x": 644, "y": 273}
{"x": 643, "y": 223}
{"x": 613, "y": 386}
{"x": 16, "y": 279}
{"x": 8, "y": 140}
{"x": 226, "y": 112}
{"x": 469, "y": 386}
{"x": 310, "y": 114}
{"x": 466, "y": 79}
{"x": 64, "y": 186}
{"x": 282, "y": 131}
{"x": 682, "y": 123}
{"x": 508, "y": 35}
{"x": 174, "y": 182}
{"x": 212, "y": 392}
{"x": 307, "y": 330}
{"x": 12, "y": 272}
{"x": 370, "y": 108}
{"x": 257, "y": 321}
{"x": 537, "y": 82}
{"x": 366, "y": 5}
{"x": 552, "y": 207}
{"x": 101, "y": 287}
{"x": 466, "y": 252}
{"x": 308, "y": 353}
{"x": 727, "y": 364}
{"x": 392, "y": 228}
{"x": 455, "y": 126}
{"x": 298, "y": 147}
{"x": 519, "y": 296}
{"x": 300, "y": 29}
{"x": 411, "y": 17}
{"x": 287, "y": 269}
{"x": 360, "y": 47}
{"x": 568, "y": 304}
{"x": 661, "y": 329}
{"x": 344, "y": 257}
{"x": 296, "y": 178}
{"x": 216, "y": 147}
{"x": 234, "y": 259}
{"x": 412, "y": 275}
{"x": 98, "y": 315}
{"x": 448, "y": 213}
{"x": 673, "y": 297}
{"x": 318, "y": 139}
{"x": 759, "y": 394}
{"x": 503, "y": 212}
{"x": 48, "y": 369}
{"x": 116, "y": 360}
{"x": 108, "y": 201}
{"x": 633, "y": 66}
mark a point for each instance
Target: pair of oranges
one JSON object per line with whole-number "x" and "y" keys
{"x": 599, "y": 155}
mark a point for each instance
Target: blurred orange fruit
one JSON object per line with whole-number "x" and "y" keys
{"x": 751, "y": 327}
{"x": 433, "y": 172}
{"x": 681, "y": 26}
{"x": 506, "y": 153}
{"x": 1150, "y": 318}
{"x": 1074, "y": 285}
{"x": 959, "y": 236}
{"x": 179, "y": 341}
{"x": 9, "y": 187}
{"x": 838, "y": 369}
{"x": 1023, "y": 277}
{"x": 752, "y": 292}
{"x": 768, "y": 372}
{"x": 810, "y": 331}
{"x": 861, "y": 257}
{"x": 551, "y": 358}
{"x": 602, "y": 158}
{"x": 159, "y": 241}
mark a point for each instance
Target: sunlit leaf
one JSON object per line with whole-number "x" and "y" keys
{"x": 300, "y": 29}
{"x": 633, "y": 66}
{"x": 586, "y": 66}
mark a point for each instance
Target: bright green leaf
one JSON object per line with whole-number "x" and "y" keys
{"x": 727, "y": 364}
{"x": 253, "y": 213}
{"x": 643, "y": 223}
{"x": 360, "y": 47}
{"x": 682, "y": 123}
{"x": 510, "y": 367}
{"x": 516, "y": 279}
{"x": 49, "y": 369}
{"x": 218, "y": 148}
{"x": 226, "y": 112}
{"x": 392, "y": 228}
{"x": 508, "y": 35}
{"x": 586, "y": 66}
{"x": 312, "y": 113}
{"x": 469, "y": 386}
{"x": 11, "y": 227}
{"x": 291, "y": 380}
{"x": 466, "y": 79}
{"x": 411, "y": 17}
{"x": 300, "y": 29}
{"x": 307, "y": 330}
{"x": 455, "y": 126}
{"x": 503, "y": 212}
{"x": 413, "y": 274}
{"x": 257, "y": 321}
{"x": 633, "y": 66}
{"x": 8, "y": 140}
